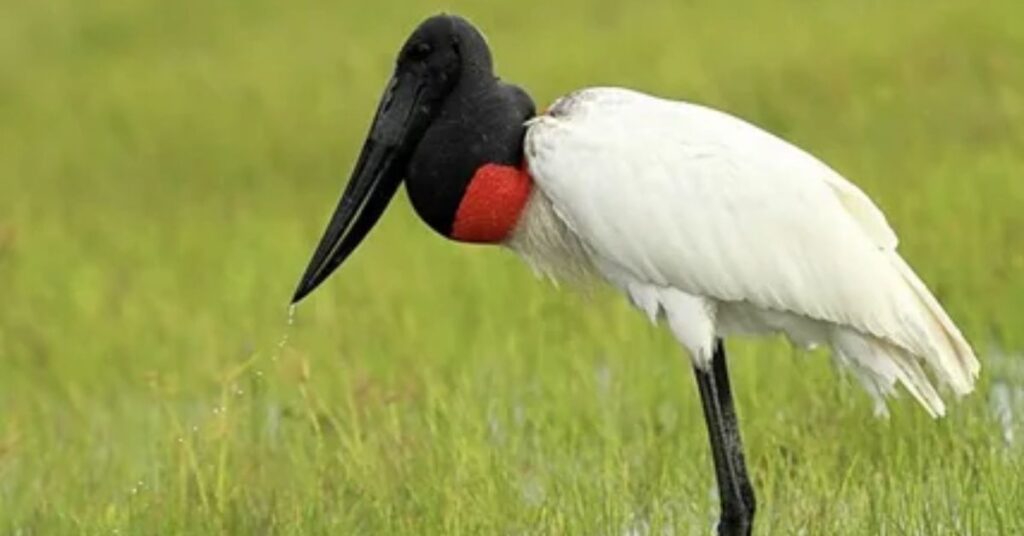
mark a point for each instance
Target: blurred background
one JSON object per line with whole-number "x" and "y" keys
{"x": 166, "y": 169}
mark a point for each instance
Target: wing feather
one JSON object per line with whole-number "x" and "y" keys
{"x": 678, "y": 195}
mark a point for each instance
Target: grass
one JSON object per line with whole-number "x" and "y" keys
{"x": 165, "y": 170}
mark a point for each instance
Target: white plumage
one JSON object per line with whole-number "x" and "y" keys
{"x": 722, "y": 228}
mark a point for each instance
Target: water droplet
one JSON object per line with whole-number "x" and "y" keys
{"x": 289, "y": 322}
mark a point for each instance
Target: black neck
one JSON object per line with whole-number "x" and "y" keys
{"x": 480, "y": 122}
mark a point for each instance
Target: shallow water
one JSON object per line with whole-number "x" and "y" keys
{"x": 1006, "y": 393}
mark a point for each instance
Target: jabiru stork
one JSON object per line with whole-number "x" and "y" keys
{"x": 703, "y": 220}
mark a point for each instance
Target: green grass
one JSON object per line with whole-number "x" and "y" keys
{"x": 165, "y": 170}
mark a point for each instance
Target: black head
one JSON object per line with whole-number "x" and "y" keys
{"x": 443, "y": 64}
{"x": 431, "y": 61}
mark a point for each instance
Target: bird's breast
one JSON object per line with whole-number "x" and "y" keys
{"x": 547, "y": 244}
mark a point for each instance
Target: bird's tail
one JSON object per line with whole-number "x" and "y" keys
{"x": 925, "y": 338}
{"x": 951, "y": 359}
{"x": 879, "y": 365}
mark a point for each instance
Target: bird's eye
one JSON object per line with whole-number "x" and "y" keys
{"x": 419, "y": 51}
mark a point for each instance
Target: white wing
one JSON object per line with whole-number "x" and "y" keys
{"x": 675, "y": 201}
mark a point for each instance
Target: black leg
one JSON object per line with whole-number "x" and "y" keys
{"x": 734, "y": 489}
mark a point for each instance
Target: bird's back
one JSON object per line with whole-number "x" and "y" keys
{"x": 723, "y": 227}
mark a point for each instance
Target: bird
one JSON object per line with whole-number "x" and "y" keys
{"x": 707, "y": 223}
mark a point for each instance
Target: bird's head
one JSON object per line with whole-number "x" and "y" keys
{"x": 442, "y": 117}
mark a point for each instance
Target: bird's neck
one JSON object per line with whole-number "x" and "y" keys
{"x": 467, "y": 178}
{"x": 492, "y": 204}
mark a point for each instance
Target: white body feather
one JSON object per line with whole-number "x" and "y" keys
{"x": 722, "y": 228}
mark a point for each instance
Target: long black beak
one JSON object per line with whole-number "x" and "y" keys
{"x": 396, "y": 129}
